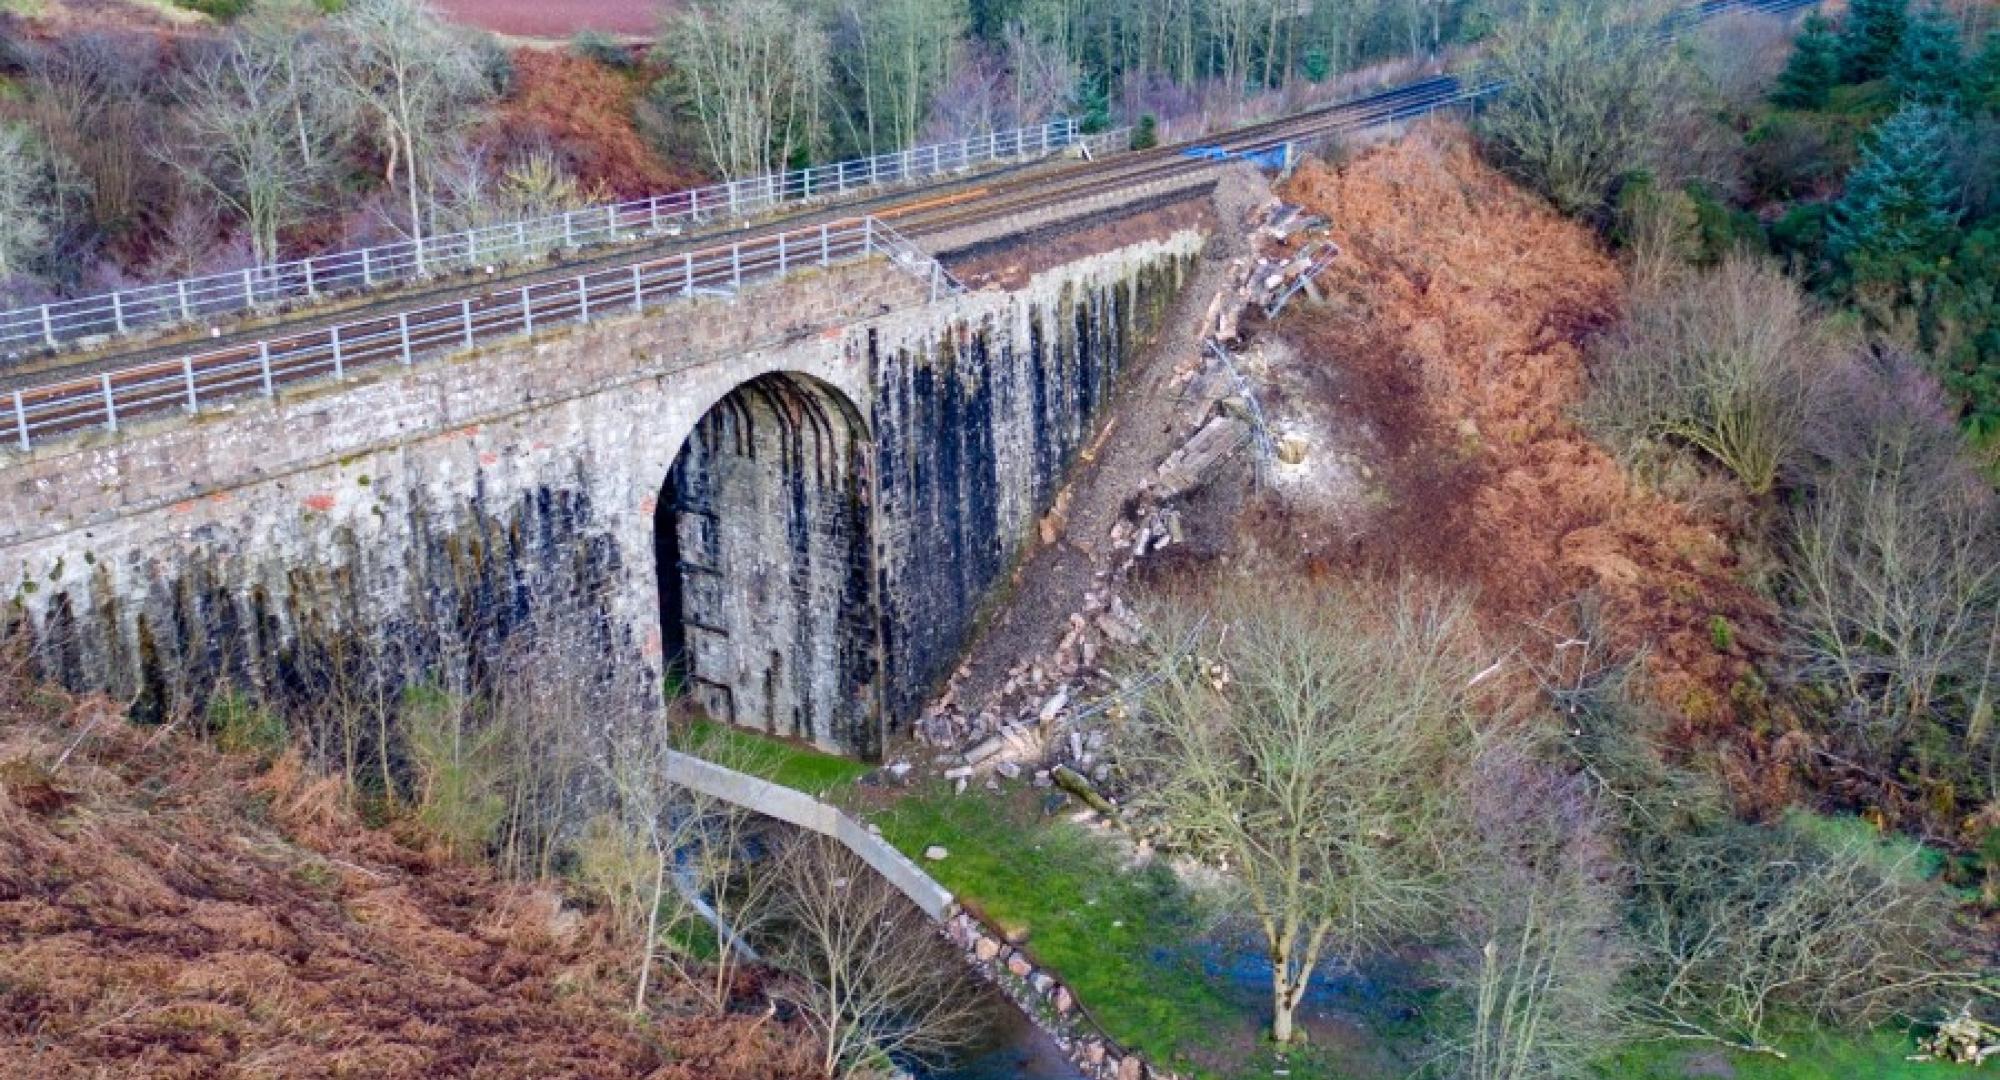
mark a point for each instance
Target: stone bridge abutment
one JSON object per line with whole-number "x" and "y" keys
{"x": 793, "y": 500}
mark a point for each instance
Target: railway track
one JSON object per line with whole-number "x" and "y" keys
{"x": 110, "y": 389}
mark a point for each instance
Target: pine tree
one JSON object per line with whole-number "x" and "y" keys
{"x": 1928, "y": 66}
{"x": 1871, "y": 37}
{"x": 1894, "y": 223}
{"x": 1814, "y": 67}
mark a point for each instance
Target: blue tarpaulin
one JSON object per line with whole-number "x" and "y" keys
{"x": 1274, "y": 158}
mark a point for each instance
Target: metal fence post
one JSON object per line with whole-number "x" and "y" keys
{"x": 825, "y": 247}
{"x": 182, "y": 287}
{"x": 638, "y": 288}
{"x": 339, "y": 370}
{"x": 21, "y": 420}
{"x": 781, "y": 254}
{"x": 868, "y": 236}
{"x": 653, "y": 213}
{"x": 403, "y": 334}
{"x": 367, "y": 273}
{"x": 465, "y": 310}
{"x": 264, "y": 361}
{"x": 611, "y": 219}
{"x": 48, "y": 327}
{"x": 582, "y": 298}
{"x": 527, "y": 312}
{"x": 249, "y": 288}
{"x": 118, "y": 310}
{"x": 312, "y": 288}
{"x": 736, "y": 265}
{"x": 569, "y": 234}
{"x": 110, "y": 403}
{"x": 187, "y": 372}
{"x": 937, "y": 274}
{"x": 687, "y": 274}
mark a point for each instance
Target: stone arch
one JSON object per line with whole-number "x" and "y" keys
{"x": 764, "y": 557}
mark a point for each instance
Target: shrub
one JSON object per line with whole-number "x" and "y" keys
{"x": 1721, "y": 634}
{"x": 1725, "y": 361}
{"x": 599, "y": 47}
{"x": 240, "y": 725}
{"x": 219, "y": 10}
{"x": 1789, "y": 155}
{"x": 1146, "y": 133}
{"x": 458, "y": 771}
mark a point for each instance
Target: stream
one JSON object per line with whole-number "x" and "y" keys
{"x": 1006, "y": 1046}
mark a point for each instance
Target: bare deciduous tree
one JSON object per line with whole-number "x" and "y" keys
{"x": 88, "y": 106}
{"x": 1542, "y": 893}
{"x": 1895, "y": 569}
{"x": 418, "y": 83}
{"x": 1286, "y": 754}
{"x": 1742, "y": 923}
{"x": 1587, "y": 86}
{"x": 1728, "y": 361}
{"x": 879, "y": 982}
{"x": 1732, "y": 924}
{"x": 755, "y": 74}
{"x": 242, "y": 141}
{"x": 894, "y": 54}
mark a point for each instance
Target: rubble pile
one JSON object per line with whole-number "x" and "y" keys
{"x": 1051, "y": 719}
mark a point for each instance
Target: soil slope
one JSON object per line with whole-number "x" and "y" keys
{"x": 168, "y": 911}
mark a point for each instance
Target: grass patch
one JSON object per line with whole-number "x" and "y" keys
{"x": 1891, "y": 854}
{"x": 1815, "y": 1055}
{"x": 797, "y": 767}
{"x": 1119, "y": 937}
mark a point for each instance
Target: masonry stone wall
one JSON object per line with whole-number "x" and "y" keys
{"x": 452, "y": 500}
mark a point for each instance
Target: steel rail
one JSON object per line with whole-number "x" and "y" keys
{"x": 193, "y": 381}
{"x": 191, "y": 301}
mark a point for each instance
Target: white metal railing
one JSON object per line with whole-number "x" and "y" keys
{"x": 187, "y": 383}
{"x": 192, "y": 300}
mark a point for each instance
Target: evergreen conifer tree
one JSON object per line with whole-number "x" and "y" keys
{"x": 1871, "y": 37}
{"x": 1894, "y": 222}
{"x": 1814, "y": 67}
{"x": 1982, "y": 79}
{"x": 1929, "y": 65}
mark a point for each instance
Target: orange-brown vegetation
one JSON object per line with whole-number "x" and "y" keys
{"x": 585, "y": 112}
{"x": 1454, "y": 331}
{"x": 166, "y": 910}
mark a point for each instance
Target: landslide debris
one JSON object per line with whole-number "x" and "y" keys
{"x": 1448, "y": 355}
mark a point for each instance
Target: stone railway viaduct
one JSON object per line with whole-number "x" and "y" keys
{"x": 796, "y": 498}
